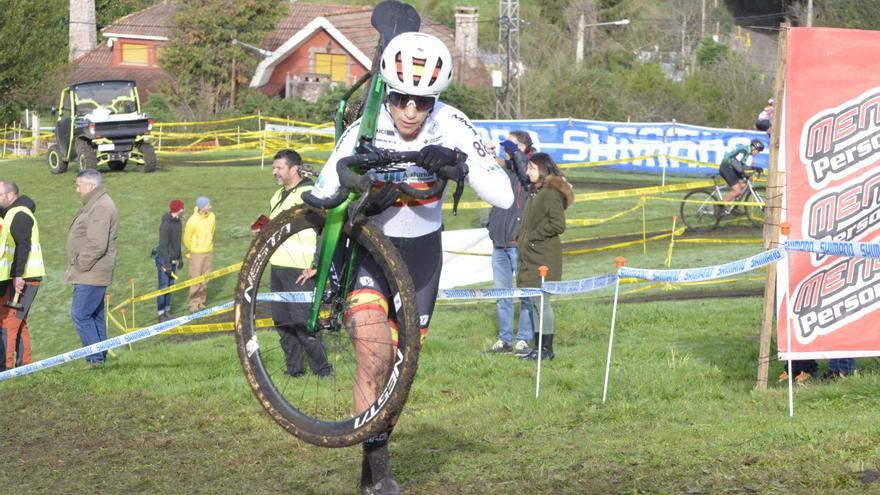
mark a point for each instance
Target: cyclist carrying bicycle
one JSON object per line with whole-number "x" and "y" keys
{"x": 416, "y": 68}
{"x": 733, "y": 167}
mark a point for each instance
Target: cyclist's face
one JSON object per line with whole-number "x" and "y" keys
{"x": 408, "y": 119}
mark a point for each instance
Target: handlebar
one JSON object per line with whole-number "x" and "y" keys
{"x": 358, "y": 172}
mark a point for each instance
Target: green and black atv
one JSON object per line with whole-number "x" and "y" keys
{"x": 100, "y": 122}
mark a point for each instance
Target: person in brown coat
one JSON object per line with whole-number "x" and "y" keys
{"x": 539, "y": 244}
{"x": 91, "y": 259}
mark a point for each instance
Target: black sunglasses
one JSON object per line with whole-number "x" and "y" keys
{"x": 401, "y": 100}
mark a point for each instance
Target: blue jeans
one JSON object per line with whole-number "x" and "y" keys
{"x": 504, "y": 272}
{"x": 844, "y": 366}
{"x": 163, "y": 302}
{"x": 87, "y": 313}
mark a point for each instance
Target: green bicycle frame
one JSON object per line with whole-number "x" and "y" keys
{"x": 336, "y": 216}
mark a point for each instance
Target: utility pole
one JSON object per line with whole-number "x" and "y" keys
{"x": 507, "y": 99}
{"x": 703, "y": 21}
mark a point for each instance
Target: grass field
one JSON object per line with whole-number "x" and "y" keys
{"x": 175, "y": 415}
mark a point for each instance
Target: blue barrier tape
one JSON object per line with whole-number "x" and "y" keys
{"x": 487, "y": 293}
{"x": 706, "y": 273}
{"x": 108, "y": 344}
{"x": 835, "y": 248}
{"x": 292, "y": 297}
{"x": 580, "y": 286}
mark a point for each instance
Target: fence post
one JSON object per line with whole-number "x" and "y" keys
{"x": 159, "y": 141}
{"x": 5, "y": 126}
{"x": 35, "y": 133}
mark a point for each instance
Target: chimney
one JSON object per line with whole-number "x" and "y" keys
{"x": 466, "y": 32}
{"x": 83, "y": 34}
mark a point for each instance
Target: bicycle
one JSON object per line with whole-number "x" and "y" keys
{"x": 334, "y": 411}
{"x": 703, "y": 210}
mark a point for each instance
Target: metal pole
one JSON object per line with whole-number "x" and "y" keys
{"x": 619, "y": 261}
{"x": 543, "y": 271}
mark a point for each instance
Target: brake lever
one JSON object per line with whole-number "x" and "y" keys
{"x": 354, "y": 211}
{"x": 461, "y": 161}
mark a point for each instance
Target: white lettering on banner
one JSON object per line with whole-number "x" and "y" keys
{"x": 837, "y": 142}
{"x": 835, "y": 295}
{"x": 845, "y": 213}
{"x": 590, "y": 141}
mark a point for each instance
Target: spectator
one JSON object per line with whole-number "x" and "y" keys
{"x": 765, "y": 118}
{"x": 539, "y": 244}
{"x": 21, "y": 271}
{"x": 806, "y": 369}
{"x": 198, "y": 239}
{"x": 91, "y": 258}
{"x": 167, "y": 256}
{"x": 292, "y": 271}
{"x": 503, "y": 228}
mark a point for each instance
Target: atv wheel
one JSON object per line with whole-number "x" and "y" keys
{"x": 86, "y": 155}
{"x": 56, "y": 164}
{"x": 117, "y": 166}
{"x": 149, "y": 156}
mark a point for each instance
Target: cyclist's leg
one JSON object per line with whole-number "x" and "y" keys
{"x": 424, "y": 261}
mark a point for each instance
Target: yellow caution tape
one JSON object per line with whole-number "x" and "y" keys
{"x": 719, "y": 241}
{"x": 602, "y": 163}
{"x": 598, "y": 221}
{"x": 216, "y": 327}
{"x": 176, "y": 287}
{"x": 465, "y": 253}
{"x": 598, "y": 196}
{"x": 622, "y": 244}
{"x": 699, "y": 201}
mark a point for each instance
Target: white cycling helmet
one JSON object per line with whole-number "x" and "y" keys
{"x": 408, "y": 57}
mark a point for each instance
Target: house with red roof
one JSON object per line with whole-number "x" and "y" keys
{"x": 313, "y": 46}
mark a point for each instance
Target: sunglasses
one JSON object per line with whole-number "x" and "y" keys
{"x": 401, "y": 100}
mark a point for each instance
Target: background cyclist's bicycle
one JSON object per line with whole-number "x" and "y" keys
{"x": 703, "y": 210}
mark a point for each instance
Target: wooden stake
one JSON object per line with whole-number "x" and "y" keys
{"x": 772, "y": 210}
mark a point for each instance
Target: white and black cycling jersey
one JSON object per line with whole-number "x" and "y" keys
{"x": 445, "y": 126}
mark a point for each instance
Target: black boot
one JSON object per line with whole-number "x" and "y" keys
{"x": 376, "y": 476}
{"x": 546, "y": 349}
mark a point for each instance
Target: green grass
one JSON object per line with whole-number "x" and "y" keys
{"x": 175, "y": 415}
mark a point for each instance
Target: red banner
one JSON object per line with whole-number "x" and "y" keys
{"x": 831, "y": 146}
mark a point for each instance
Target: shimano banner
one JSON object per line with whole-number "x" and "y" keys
{"x": 643, "y": 147}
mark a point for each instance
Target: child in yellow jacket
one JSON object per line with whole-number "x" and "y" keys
{"x": 198, "y": 241}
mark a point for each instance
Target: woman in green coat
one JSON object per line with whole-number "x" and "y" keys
{"x": 538, "y": 241}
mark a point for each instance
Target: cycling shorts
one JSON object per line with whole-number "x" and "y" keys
{"x": 423, "y": 258}
{"x": 728, "y": 173}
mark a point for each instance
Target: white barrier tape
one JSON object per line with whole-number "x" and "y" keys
{"x": 835, "y": 248}
{"x": 292, "y": 297}
{"x": 706, "y": 273}
{"x": 108, "y": 344}
{"x": 487, "y": 293}
{"x": 580, "y": 286}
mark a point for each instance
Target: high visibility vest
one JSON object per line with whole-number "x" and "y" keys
{"x": 34, "y": 266}
{"x": 298, "y": 251}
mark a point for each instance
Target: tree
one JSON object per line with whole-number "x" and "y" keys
{"x": 200, "y": 52}
{"x": 34, "y": 51}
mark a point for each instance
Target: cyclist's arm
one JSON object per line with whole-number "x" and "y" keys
{"x": 328, "y": 180}
{"x": 487, "y": 178}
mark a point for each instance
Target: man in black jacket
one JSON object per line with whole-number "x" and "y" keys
{"x": 168, "y": 256}
{"x": 503, "y": 228}
{"x": 21, "y": 271}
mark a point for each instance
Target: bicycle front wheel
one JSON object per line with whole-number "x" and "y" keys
{"x": 698, "y": 211}
{"x": 754, "y": 213}
{"x": 345, "y": 382}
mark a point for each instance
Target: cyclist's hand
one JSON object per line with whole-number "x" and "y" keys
{"x": 433, "y": 157}
{"x": 380, "y": 200}
{"x": 455, "y": 172}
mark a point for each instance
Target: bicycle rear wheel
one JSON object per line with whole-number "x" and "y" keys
{"x": 698, "y": 211}
{"x": 755, "y": 214}
{"x": 323, "y": 407}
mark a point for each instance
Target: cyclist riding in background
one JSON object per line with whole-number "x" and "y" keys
{"x": 416, "y": 68}
{"x": 735, "y": 163}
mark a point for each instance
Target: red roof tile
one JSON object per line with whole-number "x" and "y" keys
{"x": 157, "y": 20}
